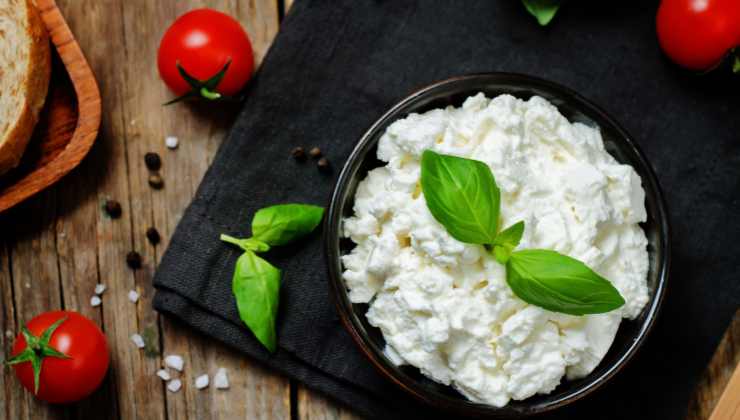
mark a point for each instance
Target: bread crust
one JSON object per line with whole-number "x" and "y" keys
{"x": 35, "y": 85}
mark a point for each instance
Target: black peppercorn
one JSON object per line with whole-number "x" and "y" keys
{"x": 153, "y": 235}
{"x": 112, "y": 208}
{"x": 323, "y": 165}
{"x": 156, "y": 181}
{"x": 153, "y": 162}
{"x": 298, "y": 154}
{"x": 133, "y": 260}
{"x": 315, "y": 153}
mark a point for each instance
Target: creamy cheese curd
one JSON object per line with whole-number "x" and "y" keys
{"x": 444, "y": 306}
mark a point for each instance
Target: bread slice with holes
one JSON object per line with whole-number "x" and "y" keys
{"x": 25, "y": 67}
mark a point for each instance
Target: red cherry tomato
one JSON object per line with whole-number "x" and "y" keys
{"x": 203, "y": 41}
{"x": 697, "y": 34}
{"x": 63, "y": 379}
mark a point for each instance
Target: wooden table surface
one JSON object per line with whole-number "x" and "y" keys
{"x": 57, "y": 246}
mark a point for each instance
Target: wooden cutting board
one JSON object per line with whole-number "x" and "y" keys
{"x": 728, "y": 406}
{"x": 717, "y": 395}
{"x": 69, "y": 122}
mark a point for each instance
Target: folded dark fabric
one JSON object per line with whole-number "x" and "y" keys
{"x": 337, "y": 66}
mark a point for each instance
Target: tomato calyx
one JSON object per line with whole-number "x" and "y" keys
{"x": 205, "y": 89}
{"x": 37, "y": 349}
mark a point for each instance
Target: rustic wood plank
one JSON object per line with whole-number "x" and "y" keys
{"x": 718, "y": 373}
{"x": 314, "y": 406}
{"x": 81, "y": 247}
{"x": 254, "y": 393}
{"x": 139, "y": 393}
{"x": 35, "y": 286}
{"x": 728, "y": 406}
{"x": 76, "y": 231}
{"x": 7, "y": 326}
{"x": 146, "y": 123}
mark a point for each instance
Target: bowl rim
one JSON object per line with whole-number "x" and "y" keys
{"x": 331, "y": 231}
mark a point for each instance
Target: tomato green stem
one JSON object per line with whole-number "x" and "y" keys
{"x": 204, "y": 92}
{"x": 37, "y": 348}
{"x": 201, "y": 88}
{"x": 231, "y": 240}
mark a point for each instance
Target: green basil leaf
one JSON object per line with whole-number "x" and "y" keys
{"x": 542, "y": 10}
{"x": 511, "y": 236}
{"x": 284, "y": 223}
{"x": 502, "y": 254}
{"x": 559, "y": 283}
{"x": 462, "y": 195}
{"x": 736, "y": 64}
{"x": 248, "y": 244}
{"x": 256, "y": 287}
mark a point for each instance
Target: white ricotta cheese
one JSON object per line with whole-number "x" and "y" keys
{"x": 444, "y": 306}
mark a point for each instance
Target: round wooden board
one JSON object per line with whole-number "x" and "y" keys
{"x": 69, "y": 122}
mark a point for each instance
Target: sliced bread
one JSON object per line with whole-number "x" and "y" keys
{"x": 25, "y": 67}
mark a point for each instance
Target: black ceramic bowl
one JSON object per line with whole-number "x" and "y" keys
{"x": 618, "y": 142}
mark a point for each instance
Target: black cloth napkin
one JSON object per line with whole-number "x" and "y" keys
{"x": 337, "y": 65}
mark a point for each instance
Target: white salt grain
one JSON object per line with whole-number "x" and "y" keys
{"x": 174, "y": 385}
{"x": 133, "y": 296}
{"x": 164, "y": 375}
{"x": 220, "y": 380}
{"x": 175, "y": 362}
{"x": 138, "y": 340}
{"x": 201, "y": 381}
{"x": 171, "y": 142}
{"x": 95, "y": 300}
{"x": 99, "y": 289}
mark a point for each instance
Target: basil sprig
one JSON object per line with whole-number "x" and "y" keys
{"x": 256, "y": 282}
{"x": 560, "y": 283}
{"x": 462, "y": 195}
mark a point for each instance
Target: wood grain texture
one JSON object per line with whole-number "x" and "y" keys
{"x": 8, "y": 406}
{"x": 314, "y": 406}
{"x": 61, "y": 243}
{"x": 718, "y": 373}
{"x": 69, "y": 123}
{"x": 728, "y": 406}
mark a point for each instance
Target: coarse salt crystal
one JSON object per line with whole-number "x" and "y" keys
{"x": 164, "y": 375}
{"x": 138, "y": 340}
{"x": 171, "y": 142}
{"x": 133, "y": 296}
{"x": 201, "y": 381}
{"x": 175, "y": 362}
{"x": 100, "y": 288}
{"x": 95, "y": 300}
{"x": 221, "y": 380}
{"x": 174, "y": 385}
